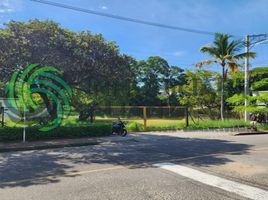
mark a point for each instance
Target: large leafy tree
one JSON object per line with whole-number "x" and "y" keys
{"x": 258, "y": 104}
{"x": 175, "y": 78}
{"x": 199, "y": 92}
{"x": 259, "y": 79}
{"x": 1, "y": 89}
{"x": 225, "y": 52}
{"x": 89, "y": 62}
{"x": 258, "y": 101}
{"x": 154, "y": 81}
{"x": 150, "y": 76}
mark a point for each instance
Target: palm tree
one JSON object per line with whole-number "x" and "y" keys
{"x": 224, "y": 52}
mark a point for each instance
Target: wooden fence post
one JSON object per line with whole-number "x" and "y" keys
{"x": 186, "y": 116}
{"x": 145, "y": 117}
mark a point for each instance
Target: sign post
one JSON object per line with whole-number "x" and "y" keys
{"x": 24, "y": 125}
{"x": 3, "y": 116}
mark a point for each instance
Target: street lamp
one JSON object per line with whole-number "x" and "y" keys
{"x": 251, "y": 41}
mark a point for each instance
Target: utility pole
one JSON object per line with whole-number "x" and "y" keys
{"x": 246, "y": 92}
{"x": 250, "y": 41}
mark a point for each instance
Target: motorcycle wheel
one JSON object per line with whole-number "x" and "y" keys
{"x": 124, "y": 133}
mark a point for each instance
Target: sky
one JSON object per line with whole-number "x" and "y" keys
{"x": 237, "y": 17}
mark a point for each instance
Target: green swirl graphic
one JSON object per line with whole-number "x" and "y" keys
{"x": 39, "y": 80}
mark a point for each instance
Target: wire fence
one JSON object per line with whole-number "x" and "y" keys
{"x": 178, "y": 117}
{"x": 201, "y": 114}
{"x": 144, "y": 115}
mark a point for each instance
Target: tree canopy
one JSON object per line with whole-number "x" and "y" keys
{"x": 89, "y": 62}
{"x": 100, "y": 74}
{"x": 224, "y": 51}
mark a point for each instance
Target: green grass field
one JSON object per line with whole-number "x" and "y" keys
{"x": 167, "y": 124}
{"x": 152, "y": 124}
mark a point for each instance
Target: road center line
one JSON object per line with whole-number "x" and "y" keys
{"x": 224, "y": 184}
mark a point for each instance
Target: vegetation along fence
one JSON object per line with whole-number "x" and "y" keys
{"x": 144, "y": 117}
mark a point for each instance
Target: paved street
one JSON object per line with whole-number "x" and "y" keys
{"x": 142, "y": 166}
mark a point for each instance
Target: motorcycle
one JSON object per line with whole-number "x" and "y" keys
{"x": 119, "y": 128}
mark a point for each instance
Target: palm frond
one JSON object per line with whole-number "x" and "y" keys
{"x": 221, "y": 43}
{"x": 205, "y": 62}
{"x": 228, "y": 57}
{"x": 245, "y": 55}
{"x": 212, "y": 51}
{"x": 224, "y": 51}
{"x": 233, "y": 66}
{"x": 234, "y": 46}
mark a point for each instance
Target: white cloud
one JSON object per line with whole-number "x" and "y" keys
{"x": 178, "y": 53}
{"x": 103, "y": 7}
{"x": 6, "y": 10}
{"x": 9, "y": 6}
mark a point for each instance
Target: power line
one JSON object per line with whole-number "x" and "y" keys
{"x": 118, "y": 17}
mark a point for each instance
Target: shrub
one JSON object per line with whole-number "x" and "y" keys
{"x": 218, "y": 124}
{"x": 134, "y": 126}
{"x": 180, "y": 125}
{"x": 263, "y": 127}
{"x": 32, "y": 133}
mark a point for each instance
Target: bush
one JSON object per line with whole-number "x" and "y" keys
{"x": 154, "y": 126}
{"x": 159, "y": 125}
{"x": 135, "y": 126}
{"x": 263, "y": 127}
{"x": 32, "y": 133}
{"x": 218, "y": 124}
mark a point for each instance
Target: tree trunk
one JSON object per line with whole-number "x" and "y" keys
{"x": 222, "y": 92}
{"x": 50, "y": 106}
{"x": 84, "y": 115}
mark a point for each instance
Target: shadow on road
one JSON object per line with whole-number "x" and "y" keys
{"x": 41, "y": 167}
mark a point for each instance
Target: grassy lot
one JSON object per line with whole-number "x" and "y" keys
{"x": 217, "y": 124}
{"x": 177, "y": 124}
{"x": 152, "y": 124}
{"x": 167, "y": 124}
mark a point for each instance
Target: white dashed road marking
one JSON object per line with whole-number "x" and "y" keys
{"x": 224, "y": 184}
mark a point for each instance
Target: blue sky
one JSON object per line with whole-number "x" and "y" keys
{"x": 237, "y": 17}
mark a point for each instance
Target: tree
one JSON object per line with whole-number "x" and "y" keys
{"x": 84, "y": 104}
{"x": 1, "y": 89}
{"x": 176, "y": 77}
{"x": 150, "y": 75}
{"x": 89, "y": 62}
{"x": 257, "y": 104}
{"x": 199, "y": 92}
{"x": 226, "y": 53}
{"x": 154, "y": 81}
{"x": 259, "y": 78}
{"x": 258, "y": 101}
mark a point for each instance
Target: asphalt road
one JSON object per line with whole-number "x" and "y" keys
{"x": 124, "y": 168}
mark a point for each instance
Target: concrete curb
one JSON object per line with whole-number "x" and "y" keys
{"x": 252, "y": 133}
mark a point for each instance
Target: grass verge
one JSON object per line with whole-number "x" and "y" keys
{"x": 164, "y": 125}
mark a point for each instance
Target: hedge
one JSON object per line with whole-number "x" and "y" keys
{"x": 32, "y": 133}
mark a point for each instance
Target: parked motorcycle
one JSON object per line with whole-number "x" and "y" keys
{"x": 119, "y": 128}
